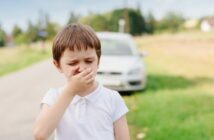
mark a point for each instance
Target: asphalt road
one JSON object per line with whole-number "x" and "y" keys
{"x": 20, "y": 95}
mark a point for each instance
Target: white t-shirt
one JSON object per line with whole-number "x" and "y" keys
{"x": 90, "y": 117}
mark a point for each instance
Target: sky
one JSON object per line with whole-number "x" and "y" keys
{"x": 19, "y": 12}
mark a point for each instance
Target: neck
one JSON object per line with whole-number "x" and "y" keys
{"x": 89, "y": 90}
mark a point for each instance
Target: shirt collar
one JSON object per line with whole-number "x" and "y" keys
{"x": 90, "y": 97}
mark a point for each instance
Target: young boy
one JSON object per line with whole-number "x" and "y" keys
{"x": 82, "y": 109}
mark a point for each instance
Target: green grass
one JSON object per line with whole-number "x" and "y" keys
{"x": 172, "y": 114}
{"x": 178, "y": 103}
{"x": 16, "y": 58}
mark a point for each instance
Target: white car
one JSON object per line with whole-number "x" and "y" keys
{"x": 121, "y": 64}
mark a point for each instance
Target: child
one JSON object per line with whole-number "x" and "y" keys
{"x": 82, "y": 109}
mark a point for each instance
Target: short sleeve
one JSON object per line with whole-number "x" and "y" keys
{"x": 49, "y": 98}
{"x": 119, "y": 107}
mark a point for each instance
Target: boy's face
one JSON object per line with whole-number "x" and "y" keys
{"x": 73, "y": 62}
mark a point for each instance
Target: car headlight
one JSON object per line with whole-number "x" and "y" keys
{"x": 135, "y": 71}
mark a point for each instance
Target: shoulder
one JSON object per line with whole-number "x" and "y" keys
{"x": 111, "y": 96}
{"x": 51, "y": 95}
{"x": 116, "y": 102}
{"x": 53, "y": 92}
{"x": 109, "y": 92}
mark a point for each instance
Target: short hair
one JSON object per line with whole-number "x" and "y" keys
{"x": 75, "y": 36}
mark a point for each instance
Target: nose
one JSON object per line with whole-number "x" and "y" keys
{"x": 81, "y": 67}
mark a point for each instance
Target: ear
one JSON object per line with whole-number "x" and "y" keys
{"x": 57, "y": 65}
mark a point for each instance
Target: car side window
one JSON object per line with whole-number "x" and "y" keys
{"x": 115, "y": 47}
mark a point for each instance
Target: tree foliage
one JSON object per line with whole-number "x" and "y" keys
{"x": 73, "y": 18}
{"x": 134, "y": 21}
{"x": 16, "y": 31}
{"x": 171, "y": 22}
{"x": 97, "y": 22}
{"x": 2, "y": 37}
{"x": 42, "y": 30}
{"x": 151, "y": 23}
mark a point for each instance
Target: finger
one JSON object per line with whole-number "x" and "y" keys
{"x": 90, "y": 75}
{"x": 85, "y": 72}
{"x": 90, "y": 81}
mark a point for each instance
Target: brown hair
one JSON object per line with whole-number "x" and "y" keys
{"x": 75, "y": 36}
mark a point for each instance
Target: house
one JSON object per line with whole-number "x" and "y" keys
{"x": 191, "y": 23}
{"x": 207, "y": 25}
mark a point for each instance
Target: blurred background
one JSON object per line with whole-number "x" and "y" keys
{"x": 177, "y": 36}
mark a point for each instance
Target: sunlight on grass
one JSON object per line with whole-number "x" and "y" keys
{"x": 15, "y": 58}
{"x": 178, "y": 103}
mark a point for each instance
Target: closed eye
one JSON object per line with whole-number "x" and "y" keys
{"x": 89, "y": 61}
{"x": 72, "y": 64}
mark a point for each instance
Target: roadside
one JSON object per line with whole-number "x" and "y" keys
{"x": 20, "y": 94}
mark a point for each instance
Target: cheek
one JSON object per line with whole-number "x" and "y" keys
{"x": 69, "y": 70}
{"x": 95, "y": 67}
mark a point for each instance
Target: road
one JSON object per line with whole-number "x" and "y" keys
{"x": 20, "y": 95}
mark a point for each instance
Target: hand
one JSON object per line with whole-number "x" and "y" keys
{"x": 79, "y": 82}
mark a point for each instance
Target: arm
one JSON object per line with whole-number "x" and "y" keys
{"x": 50, "y": 116}
{"x": 121, "y": 129}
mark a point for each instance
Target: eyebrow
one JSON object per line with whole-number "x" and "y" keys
{"x": 89, "y": 57}
{"x": 84, "y": 58}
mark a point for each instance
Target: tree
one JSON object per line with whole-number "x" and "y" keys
{"x": 171, "y": 22}
{"x": 42, "y": 20}
{"x": 2, "y": 37}
{"x": 32, "y": 33}
{"x": 46, "y": 28}
{"x": 134, "y": 20}
{"x": 137, "y": 23}
{"x": 41, "y": 26}
{"x": 97, "y": 22}
{"x": 18, "y": 35}
{"x": 73, "y": 18}
{"x": 16, "y": 31}
{"x": 150, "y": 24}
{"x": 114, "y": 17}
{"x": 51, "y": 30}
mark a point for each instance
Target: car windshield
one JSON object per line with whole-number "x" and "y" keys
{"x": 115, "y": 47}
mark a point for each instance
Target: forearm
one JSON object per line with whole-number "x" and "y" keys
{"x": 121, "y": 129}
{"x": 49, "y": 118}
